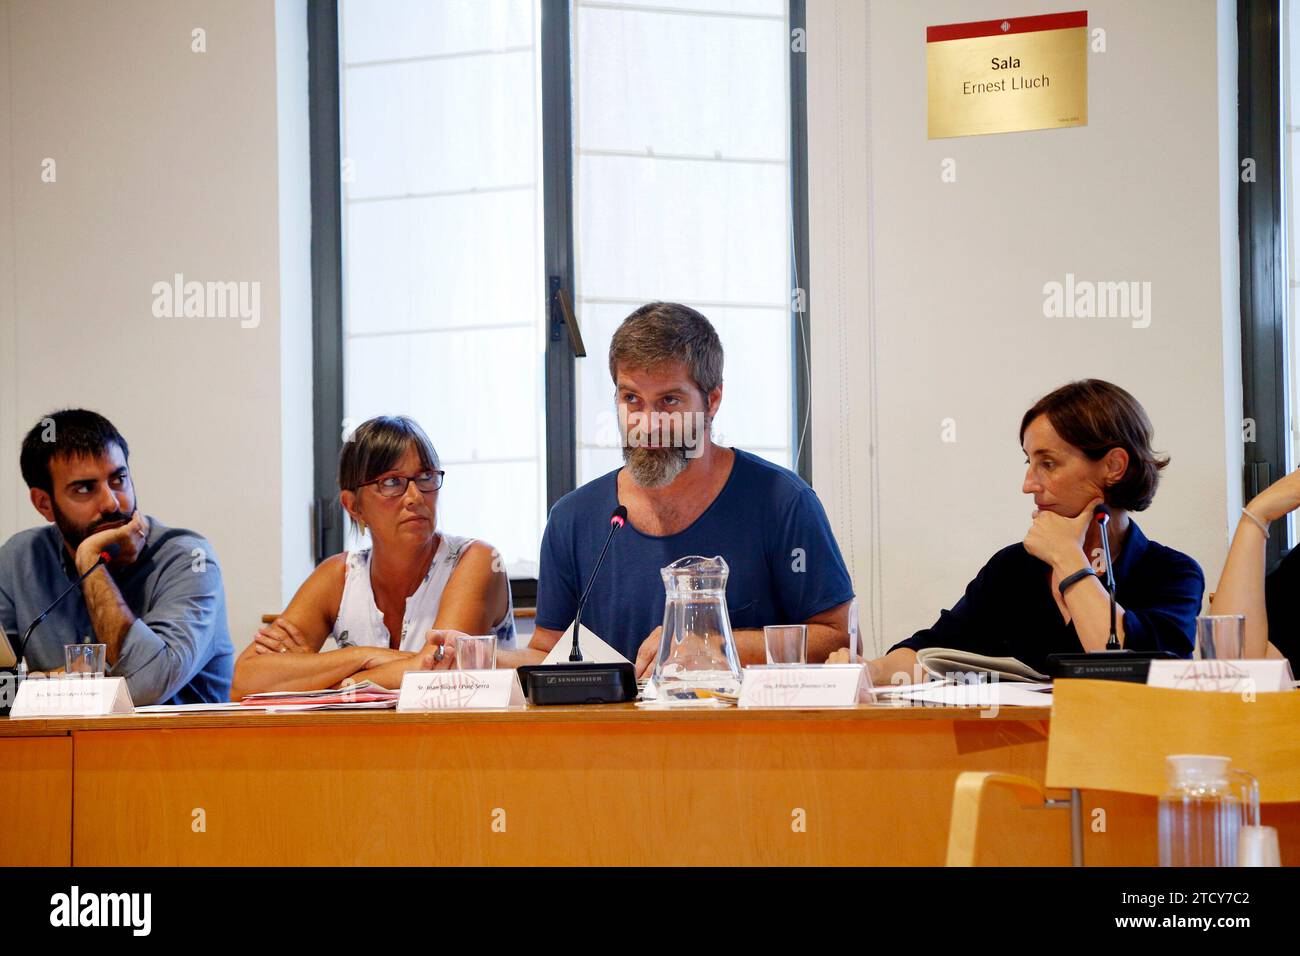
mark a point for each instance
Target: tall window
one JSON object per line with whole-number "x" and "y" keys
{"x": 682, "y": 192}
{"x": 675, "y": 183}
{"x": 443, "y": 319}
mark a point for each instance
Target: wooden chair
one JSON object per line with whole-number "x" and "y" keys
{"x": 1112, "y": 735}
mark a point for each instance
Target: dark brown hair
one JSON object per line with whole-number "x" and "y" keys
{"x": 1096, "y": 416}
{"x": 662, "y": 332}
{"x": 378, "y": 445}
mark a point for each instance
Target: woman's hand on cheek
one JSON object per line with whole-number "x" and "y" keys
{"x": 1058, "y": 540}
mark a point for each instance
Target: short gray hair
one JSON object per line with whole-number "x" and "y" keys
{"x": 663, "y": 332}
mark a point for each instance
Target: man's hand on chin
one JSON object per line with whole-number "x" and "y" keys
{"x": 130, "y": 539}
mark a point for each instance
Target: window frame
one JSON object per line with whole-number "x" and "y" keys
{"x": 326, "y": 148}
{"x": 561, "y": 379}
{"x": 1265, "y": 382}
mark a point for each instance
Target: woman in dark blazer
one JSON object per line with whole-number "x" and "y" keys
{"x": 1086, "y": 443}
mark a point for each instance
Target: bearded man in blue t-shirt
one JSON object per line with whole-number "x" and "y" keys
{"x": 686, "y": 495}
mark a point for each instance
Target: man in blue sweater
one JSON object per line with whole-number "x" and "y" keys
{"x": 686, "y": 495}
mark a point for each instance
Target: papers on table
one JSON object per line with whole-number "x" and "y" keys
{"x": 904, "y": 688}
{"x": 370, "y": 696}
{"x": 162, "y": 709}
{"x": 946, "y": 662}
{"x": 387, "y": 704}
{"x": 366, "y": 695}
{"x": 713, "y": 703}
{"x": 993, "y": 694}
{"x": 651, "y": 699}
{"x": 188, "y": 708}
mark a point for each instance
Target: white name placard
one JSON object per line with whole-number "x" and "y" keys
{"x": 1226, "y": 676}
{"x": 803, "y": 685}
{"x": 72, "y": 697}
{"x": 460, "y": 690}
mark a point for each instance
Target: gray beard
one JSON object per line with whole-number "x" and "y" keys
{"x": 654, "y": 467}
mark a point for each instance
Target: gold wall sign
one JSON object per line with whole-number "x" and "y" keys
{"x": 1000, "y": 76}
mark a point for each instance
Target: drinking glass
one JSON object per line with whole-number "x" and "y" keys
{"x": 1221, "y": 636}
{"x": 476, "y": 652}
{"x": 786, "y": 643}
{"x": 84, "y": 660}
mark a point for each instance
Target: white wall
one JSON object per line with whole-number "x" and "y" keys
{"x": 927, "y": 297}
{"x": 168, "y": 161}
{"x": 296, "y": 424}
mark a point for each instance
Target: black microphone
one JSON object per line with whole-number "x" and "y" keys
{"x": 616, "y": 521}
{"x": 1114, "y": 662}
{"x": 110, "y": 552}
{"x": 1101, "y": 514}
{"x": 576, "y": 681}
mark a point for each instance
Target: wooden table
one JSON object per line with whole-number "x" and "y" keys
{"x": 608, "y": 785}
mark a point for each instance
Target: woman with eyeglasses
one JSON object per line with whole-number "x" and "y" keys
{"x": 396, "y": 605}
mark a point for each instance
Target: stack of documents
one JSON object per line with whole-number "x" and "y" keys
{"x": 951, "y": 694}
{"x": 367, "y": 695}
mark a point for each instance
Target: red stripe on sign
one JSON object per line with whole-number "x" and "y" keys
{"x": 991, "y": 28}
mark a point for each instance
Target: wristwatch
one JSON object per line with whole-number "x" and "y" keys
{"x": 1075, "y": 578}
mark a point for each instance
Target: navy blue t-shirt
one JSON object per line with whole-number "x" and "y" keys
{"x": 765, "y": 522}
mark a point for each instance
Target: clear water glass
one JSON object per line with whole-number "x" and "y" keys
{"x": 786, "y": 643}
{"x": 84, "y": 660}
{"x": 476, "y": 652}
{"x": 1220, "y": 636}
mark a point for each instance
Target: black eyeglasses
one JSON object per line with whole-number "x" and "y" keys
{"x": 394, "y": 486}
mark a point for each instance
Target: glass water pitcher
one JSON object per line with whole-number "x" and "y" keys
{"x": 1204, "y": 809}
{"x": 696, "y": 649}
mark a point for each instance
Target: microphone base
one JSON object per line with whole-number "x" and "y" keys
{"x": 1131, "y": 666}
{"x": 578, "y": 683}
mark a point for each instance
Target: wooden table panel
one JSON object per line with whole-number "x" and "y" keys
{"x": 580, "y": 786}
{"x": 721, "y": 789}
{"x": 36, "y": 801}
